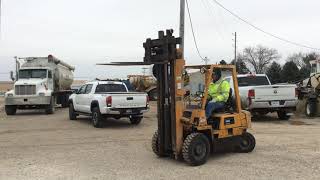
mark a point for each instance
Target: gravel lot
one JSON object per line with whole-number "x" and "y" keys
{"x": 36, "y": 146}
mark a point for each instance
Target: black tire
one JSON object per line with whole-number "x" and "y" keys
{"x": 96, "y": 118}
{"x": 10, "y": 110}
{"x": 50, "y": 107}
{"x": 283, "y": 115}
{"x": 72, "y": 114}
{"x": 196, "y": 149}
{"x": 155, "y": 143}
{"x": 310, "y": 109}
{"x": 64, "y": 101}
{"x": 135, "y": 120}
{"x": 247, "y": 143}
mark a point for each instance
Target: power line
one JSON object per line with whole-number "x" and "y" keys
{"x": 263, "y": 31}
{"x": 193, "y": 34}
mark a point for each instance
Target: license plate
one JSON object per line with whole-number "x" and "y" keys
{"x": 275, "y": 103}
{"x": 129, "y": 111}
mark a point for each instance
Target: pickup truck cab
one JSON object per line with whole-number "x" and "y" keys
{"x": 102, "y": 99}
{"x": 260, "y": 97}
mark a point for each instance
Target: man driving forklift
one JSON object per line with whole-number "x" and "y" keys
{"x": 218, "y": 93}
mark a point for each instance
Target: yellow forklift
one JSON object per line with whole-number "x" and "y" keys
{"x": 183, "y": 129}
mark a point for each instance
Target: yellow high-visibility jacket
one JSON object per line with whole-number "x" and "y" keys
{"x": 219, "y": 91}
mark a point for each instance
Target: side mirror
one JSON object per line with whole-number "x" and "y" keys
{"x": 12, "y": 76}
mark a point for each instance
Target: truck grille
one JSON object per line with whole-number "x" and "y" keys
{"x": 25, "y": 89}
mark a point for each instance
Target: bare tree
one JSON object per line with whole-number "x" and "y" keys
{"x": 259, "y": 57}
{"x": 298, "y": 59}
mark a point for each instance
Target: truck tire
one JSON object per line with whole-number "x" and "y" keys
{"x": 135, "y": 120}
{"x": 72, "y": 114}
{"x": 10, "y": 110}
{"x": 50, "y": 107}
{"x": 64, "y": 100}
{"x": 283, "y": 115}
{"x": 310, "y": 109}
{"x": 196, "y": 149}
{"x": 247, "y": 143}
{"x": 96, "y": 117}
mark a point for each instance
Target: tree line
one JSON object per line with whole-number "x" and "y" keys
{"x": 264, "y": 60}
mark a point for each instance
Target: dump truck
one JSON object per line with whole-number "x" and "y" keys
{"x": 40, "y": 83}
{"x": 309, "y": 90}
{"x": 144, "y": 83}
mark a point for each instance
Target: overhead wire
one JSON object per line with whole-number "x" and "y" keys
{"x": 263, "y": 31}
{"x": 193, "y": 34}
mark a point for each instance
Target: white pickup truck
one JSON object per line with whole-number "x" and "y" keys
{"x": 260, "y": 97}
{"x": 102, "y": 99}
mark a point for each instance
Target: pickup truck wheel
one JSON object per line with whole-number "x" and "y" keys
{"x": 72, "y": 114}
{"x": 247, "y": 143}
{"x": 196, "y": 149}
{"x": 50, "y": 107}
{"x": 96, "y": 117}
{"x": 283, "y": 115}
{"x": 310, "y": 109}
{"x": 11, "y": 110}
{"x": 135, "y": 120}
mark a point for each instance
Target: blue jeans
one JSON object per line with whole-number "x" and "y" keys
{"x": 211, "y": 106}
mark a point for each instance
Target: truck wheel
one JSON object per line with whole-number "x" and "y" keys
{"x": 72, "y": 114}
{"x": 196, "y": 149}
{"x": 50, "y": 107}
{"x": 135, "y": 120}
{"x": 11, "y": 110}
{"x": 64, "y": 101}
{"x": 96, "y": 117}
{"x": 283, "y": 115}
{"x": 310, "y": 109}
{"x": 247, "y": 143}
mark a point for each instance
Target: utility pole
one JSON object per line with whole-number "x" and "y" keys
{"x": 181, "y": 33}
{"x": 235, "y": 49}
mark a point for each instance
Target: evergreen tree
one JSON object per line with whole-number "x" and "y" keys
{"x": 290, "y": 72}
{"x": 274, "y": 73}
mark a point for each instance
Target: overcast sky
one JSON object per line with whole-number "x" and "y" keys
{"x": 84, "y": 33}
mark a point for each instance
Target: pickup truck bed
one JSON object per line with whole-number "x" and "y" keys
{"x": 260, "y": 97}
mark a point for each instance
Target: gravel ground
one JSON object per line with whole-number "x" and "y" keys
{"x": 38, "y": 146}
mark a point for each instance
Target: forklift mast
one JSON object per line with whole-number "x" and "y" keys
{"x": 168, "y": 69}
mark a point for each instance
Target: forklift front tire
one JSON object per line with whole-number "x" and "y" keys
{"x": 196, "y": 149}
{"x": 247, "y": 143}
{"x": 155, "y": 144}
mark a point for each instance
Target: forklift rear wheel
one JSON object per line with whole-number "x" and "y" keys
{"x": 283, "y": 115}
{"x": 196, "y": 149}
{"x": 247, "y": 143}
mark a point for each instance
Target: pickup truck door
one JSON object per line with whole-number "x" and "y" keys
{"x": 87, "y": 98}
{"x": 78, "y": 99}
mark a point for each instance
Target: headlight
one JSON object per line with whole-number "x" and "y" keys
{"x": 41, "y": 94}
{"x": 9, "y": 94}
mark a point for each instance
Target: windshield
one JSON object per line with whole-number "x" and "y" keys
{"x": 32, "y": 73}
{"x": 105, "y": 88}
{"x": 253, "y": 81}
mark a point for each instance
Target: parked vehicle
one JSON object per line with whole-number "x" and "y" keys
{"x": 309, "y": 90}
{"x": 102, "y": 99}
{"x": 260, "y": 97}
{"x": 144, "y": 83}
{"x": 40, "y": 82}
